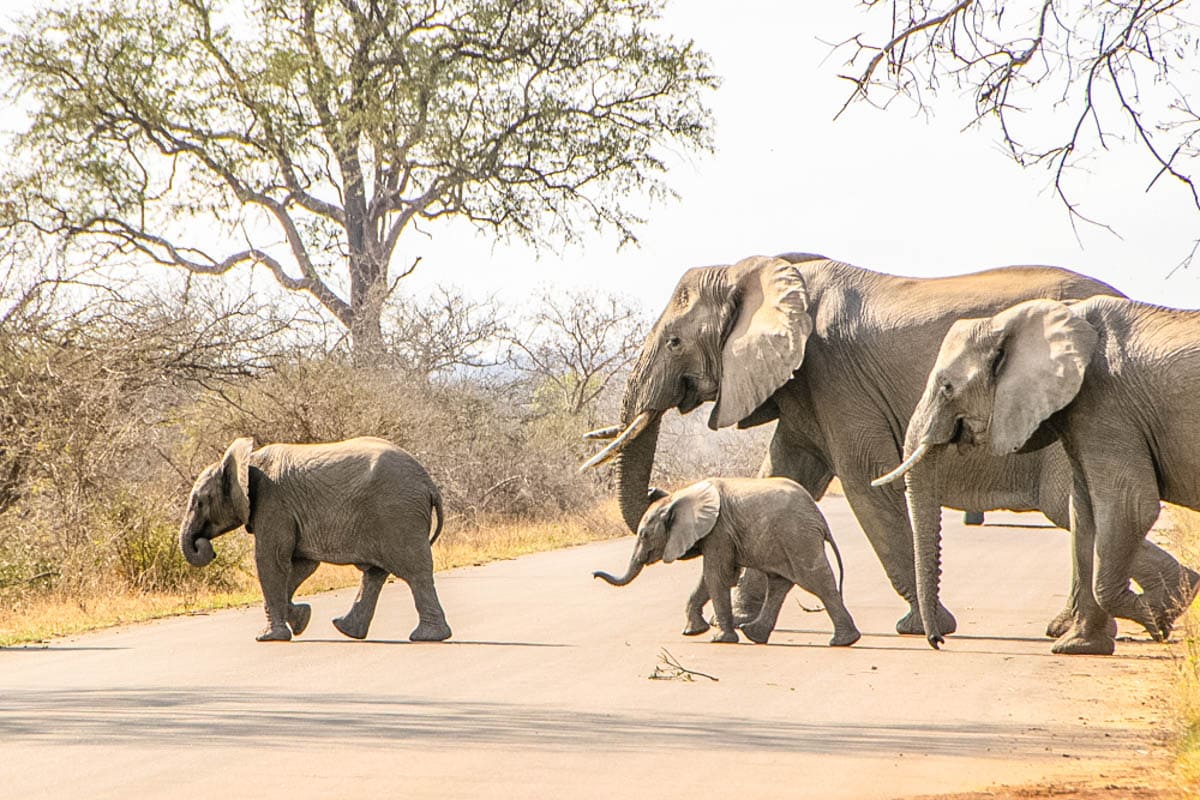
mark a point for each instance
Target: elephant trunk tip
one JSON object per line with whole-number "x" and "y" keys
{"x": 200, "y": 553}
{"x": 936, "y": 641}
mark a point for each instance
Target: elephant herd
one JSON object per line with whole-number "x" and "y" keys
{"x": 1058, "y": 394}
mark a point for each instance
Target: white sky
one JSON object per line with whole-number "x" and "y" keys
{"x": 886, "y": 190}
{"x": 883, "y": 190}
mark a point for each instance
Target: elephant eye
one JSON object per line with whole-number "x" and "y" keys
{"x": 674, "y": 342}
{"x": 947, "y": 389}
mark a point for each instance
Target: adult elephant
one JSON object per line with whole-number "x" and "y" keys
{"x": 839, "y": 355}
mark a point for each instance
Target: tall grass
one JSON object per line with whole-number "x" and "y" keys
{"x": 1184, "y": 534}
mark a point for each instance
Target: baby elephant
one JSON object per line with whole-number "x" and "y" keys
{"x": 362, "y": 501}
{"x": 770, "y": 524}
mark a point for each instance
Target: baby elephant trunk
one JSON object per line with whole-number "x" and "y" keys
{"x": 198, "y": 550}
{"x": 635, "y": 568}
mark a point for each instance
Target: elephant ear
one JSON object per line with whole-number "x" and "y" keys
{"x": 1044, "y": 352}
{"x": 766, "y": 340}
{"x": 235, "y": 476}
{"x": 690, "y": 516}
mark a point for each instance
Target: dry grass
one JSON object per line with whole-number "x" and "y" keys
{"x": 1184, "y": 535}
{"x": 40, "y": 617}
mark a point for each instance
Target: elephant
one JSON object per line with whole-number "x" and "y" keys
{"x": 838, "y": 356}
{"x": 769, "y": 524}
{"x": 361, "y": 501}
{"x": 1110, "y": 381}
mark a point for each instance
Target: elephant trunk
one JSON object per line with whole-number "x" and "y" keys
{"x": 925, "y": 514}
{"x": 633, "y": 466}
{"x": 635, "y": 568}
{"x": 197, "y": 549}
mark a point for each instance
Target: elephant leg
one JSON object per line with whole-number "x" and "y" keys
{"x": 298, "y": 614}
{"x": 821, "y": 582}
{"x": 1093, "y": 632}
{"x": 749, "y": 595}
{"x": 1168, "y": 587}
{"x": 432, "y": 626}
{"x": 883, "y": 515}
{"x": 696, "y": 624}
{"x": 1121, "y": 525}
{"x": 274, "y": 576}
{"x": 759, "y": 631}
{"x": 723, "y": 611}
{"x": 357, "y": 620}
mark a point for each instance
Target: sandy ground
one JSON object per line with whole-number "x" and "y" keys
{"x": 544, "y": 691}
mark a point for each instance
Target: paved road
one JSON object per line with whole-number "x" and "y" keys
{"x": 543, "y": 692}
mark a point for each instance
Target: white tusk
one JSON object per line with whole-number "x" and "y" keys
{"x": 616, "y": 445}
{"x": 908, "y": 464}
{"x": 603, "y": 433}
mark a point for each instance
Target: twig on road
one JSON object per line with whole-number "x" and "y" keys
{"x": 669, "y": 669}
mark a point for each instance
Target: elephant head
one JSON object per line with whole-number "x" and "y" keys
{"x": 730, "y": 334}
{"x": 219, "y": 502}
{"x": 672, "y": 525}
{"x": 995, "y": 382}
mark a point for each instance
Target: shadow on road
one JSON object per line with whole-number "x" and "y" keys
{"x": 53, "y": 648}
{"x": 211, "y": 717}
{"x": 449, "y": 643}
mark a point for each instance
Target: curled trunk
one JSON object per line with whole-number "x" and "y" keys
{"x": 925, "y": 514}
{"x": 633, "y": 466}
{"x": 635, "y": 569}
{"x": 197, "y": 549}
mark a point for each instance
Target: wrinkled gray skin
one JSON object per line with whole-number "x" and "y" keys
{"x": 1113, "y": 383}
{"x": 362, "y": 501}
{"x": 769, "y": 524}
{"x": 839, "y": 356}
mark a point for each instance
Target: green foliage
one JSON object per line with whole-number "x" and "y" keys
{"x": 332, "y": 126}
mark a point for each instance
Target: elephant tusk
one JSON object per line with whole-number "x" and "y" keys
{"x": 908, "y": 464}
{"x": 618, "y": 444}
{"x": 603, "y": 433}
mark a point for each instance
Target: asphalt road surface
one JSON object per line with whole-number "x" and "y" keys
{"x": 544, "y": 691}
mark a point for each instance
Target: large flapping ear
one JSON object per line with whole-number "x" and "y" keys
{"x": 235, "y": 476}
{"x": 690, "y": 516}
{"x": 766, "y": 342}
{"x": 1044, "y": 351}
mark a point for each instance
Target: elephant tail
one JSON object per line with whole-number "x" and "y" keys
{"x": 435, "y": 501}
{"x": 838, "y": 555}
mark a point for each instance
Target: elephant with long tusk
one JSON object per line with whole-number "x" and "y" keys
{"x": 838, "y": 355}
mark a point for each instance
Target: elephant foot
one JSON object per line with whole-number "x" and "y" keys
{"x": 1061, "y": 623}
{"x": 1079, "y": 643}
{"x": 350, "y": 628}
{"x": 759, "y": 634}
{"x": 845, "y": 638}
{"x": 1168, "y": 609}
{"x": 910, "y": 623}
{"x": 726, "y": 637}
{"x": 298, "y": 616}
{"x": 430, "y": 632}
{"x": 275, "y": 633}
{"x": 695, "y": 627}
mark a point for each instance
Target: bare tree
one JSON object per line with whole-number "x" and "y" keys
{"x": 1113, "y": 70}
{"x": 307, "y": 137}
{"x": 574, "y": 344}
{"x": 445, "y": 332}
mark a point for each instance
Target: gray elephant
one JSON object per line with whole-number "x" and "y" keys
{"x": 838, "y": 355}
{"x": 769, "y": 524}
{"x": 1113, "y": 382}
{"x": 361, "y": 501}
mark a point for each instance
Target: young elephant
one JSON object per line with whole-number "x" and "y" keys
{"x": 770, "y": 524}
{"x": 1115, "y": 382}
{"x": 362, "y": 501}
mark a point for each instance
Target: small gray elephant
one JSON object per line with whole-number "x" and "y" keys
{"x": 362, "y": 501}
{"x": 769, "y": 524}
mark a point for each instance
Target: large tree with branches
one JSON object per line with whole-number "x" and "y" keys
{"x": 308, "y": 136}
{"x": 1062, "y": 81}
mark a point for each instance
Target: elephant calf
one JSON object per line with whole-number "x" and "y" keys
{"x": 769, "y": 524}
{"x": 362, "y": 501}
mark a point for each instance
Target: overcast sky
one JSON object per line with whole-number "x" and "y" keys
{"x": 892, "y": 191}
{"x": 886, "y": 190}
